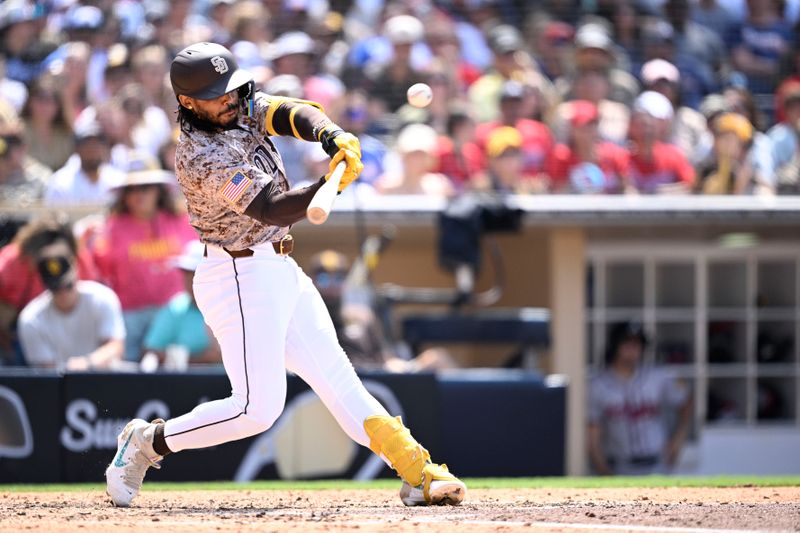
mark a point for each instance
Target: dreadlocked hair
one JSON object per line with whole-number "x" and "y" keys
{"x": 189, "y": 120}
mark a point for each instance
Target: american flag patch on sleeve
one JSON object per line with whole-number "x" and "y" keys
{"x": 235, "y": 187}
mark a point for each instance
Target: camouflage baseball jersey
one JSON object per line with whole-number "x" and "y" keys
{"x": 220, "y": 174}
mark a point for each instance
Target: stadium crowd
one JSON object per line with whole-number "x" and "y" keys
{"x": 605, "y": 97}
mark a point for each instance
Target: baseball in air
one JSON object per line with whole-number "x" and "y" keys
{"x": 419, "y": 95}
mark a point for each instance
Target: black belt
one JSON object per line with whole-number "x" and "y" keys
{"x": 284, "y": 246}
{"x": 642, "y": 461}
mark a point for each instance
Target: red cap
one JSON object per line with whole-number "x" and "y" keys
{"x": 583, "y": 112}
{"x": 558, "y": 31}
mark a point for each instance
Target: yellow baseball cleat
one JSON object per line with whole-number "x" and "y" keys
{"x": 438, "y": 487}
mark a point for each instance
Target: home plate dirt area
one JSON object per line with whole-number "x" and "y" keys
{"x": 698, "y": 510}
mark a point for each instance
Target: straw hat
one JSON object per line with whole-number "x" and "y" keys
{"x": 145, "y": 171}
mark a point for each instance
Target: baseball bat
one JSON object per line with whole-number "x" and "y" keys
{"x": 321, "y": 204}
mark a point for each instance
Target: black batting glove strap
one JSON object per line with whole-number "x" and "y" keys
{"x": 327, "y": 138}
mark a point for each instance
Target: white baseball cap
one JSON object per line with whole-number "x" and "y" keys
{"x": 654, "y": 104}
{"x": 416, "y": 138}
{"x": 191, "y": 257}
{"x": 403, "y": 29}
{"x": 659, "y": 69}
{"x": 291, "y": 43}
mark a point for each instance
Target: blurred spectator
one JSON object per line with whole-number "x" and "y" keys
{"x": 143, "y": 233}
{"x": 445, "y": 93}
{"x": 85, "y": 23}
{"x": 250, "y": 21}
{"x": 595, "y": 50}
{"x": 711, "y": 107}
{"x": 789, "y": 84}
{"x": 695, "y": 40}
{"x": 463, "y": 50}
{"x": 211, "y": 26}
{"x": 585, "y": 163}
{"x": 441, "y": 38}
{"x": 552, "y": 44}
{"x": 626, "y": 20}
{"x": 759, "y": 155}
{"x": 19, "y": 281}
{"x": 471, "y": 24}
{"x": 537, "y": 140}
{"x": 73, "y": 325}
{"x": 117, "y": 72}
{"x": 171, "y": 20}
{"x": 69, "y": 65}
{"x": 628, "y": 432}
{"x": 505, "y": 152}
{"x": 760, "y": 43}
{"x": 12, "y": 92}
{"x": 179, "y": 323}
{"x": 356, "y": 119}
{"x": 143, "y": 128}
{"x": 511, "y": 62}
{"x": 655, "y": 166}
{"x": 20, "y": 40}
{"x": 689, "y": 131}
{"x": 697, "y": 79}
{"x": 728, "y": 170}
{"x": 389, "y": 83}
{"x": 328, "y": 32}
{"x": 372, "y": 47}
{"x": 785, "y": 142}
{"x": 567, "y": 10}
{"x": 357, "y": 327}
{"x": 48, "y": 133}
{"x": 292, "y": 53}
{"x": 415, "y": 166}
{"x": 87, "y": 177}
{"x": 150, "y": 67}
{"x": 593, "y": 85}
{"x": 166, "y": 155}
{"x": 460, "y": 157}
{"x": 294, "y": 15}
{"x": 714, "y": 16}
{"x": 22, "y": 178}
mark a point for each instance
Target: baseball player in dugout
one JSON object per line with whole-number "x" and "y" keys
{"x": 262, "y": 308}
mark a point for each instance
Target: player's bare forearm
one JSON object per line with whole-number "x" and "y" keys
{"x": 108, "y": 353}
{"x": 596, "y": 455}
{"x": 684, "y": 423}
{"x": 275, "y": 208}
{"x": 212, "y": 354}
{"x": 103, "y": 357}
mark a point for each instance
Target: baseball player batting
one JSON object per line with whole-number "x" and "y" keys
{"x": 262, "y": 308}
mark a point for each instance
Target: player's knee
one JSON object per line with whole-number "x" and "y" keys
{"x": 263, "y": 414}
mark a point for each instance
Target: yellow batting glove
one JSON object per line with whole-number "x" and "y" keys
{"x": 345, "y": 147}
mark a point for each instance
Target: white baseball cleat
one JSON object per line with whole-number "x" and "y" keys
{"x": 439, "y": 487}
{"x": 134, "y": 456}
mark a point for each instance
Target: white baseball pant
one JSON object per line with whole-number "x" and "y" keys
{"x": 268, "y": 317}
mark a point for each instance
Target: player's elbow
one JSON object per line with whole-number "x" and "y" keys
{"x": 262, "y": 208}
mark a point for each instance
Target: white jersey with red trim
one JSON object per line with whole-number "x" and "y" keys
{"x": 632, "y": 412}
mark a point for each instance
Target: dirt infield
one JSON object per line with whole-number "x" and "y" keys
{"x": 669, "y": 509}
